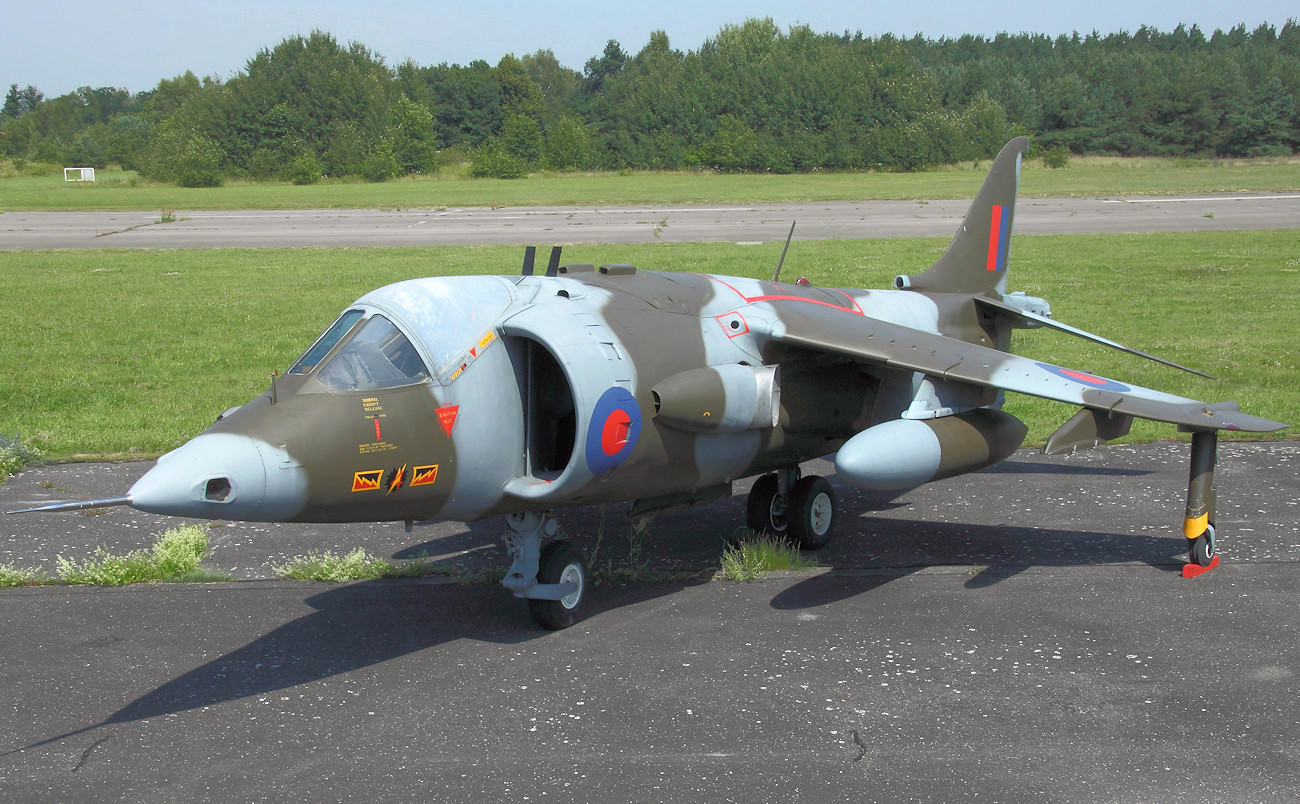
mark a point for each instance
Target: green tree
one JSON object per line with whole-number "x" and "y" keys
{"x": 567, "y": 145}
{"x": 380, "y": 164}
{"x": 19, "y": 102}
{"x": 187, "y": 157}
{"x": 127, "y": 140}
{"x": 520, "y": 94}
{"x": 558, "y": 84}
{"x": 413, "y": 136}
{"x": 492, "y": 160}
{"x": 306, "y": 169}
{"x": 521, "y": 137}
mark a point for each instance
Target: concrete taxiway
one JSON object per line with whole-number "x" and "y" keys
{"x": 668, "y": 224}
{"x": 1021, "y": 634}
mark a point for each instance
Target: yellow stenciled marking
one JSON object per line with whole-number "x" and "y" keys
{"x": 1194, "y": 527}
{"x": 424, "y": 475}
{"x": 486, "y": 339}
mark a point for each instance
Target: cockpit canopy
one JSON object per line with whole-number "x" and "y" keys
{"x": 378, "y": 356}
{"x": 365, "y": 350}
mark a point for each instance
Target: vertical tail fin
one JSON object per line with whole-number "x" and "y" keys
{"x": 976, "y": 260}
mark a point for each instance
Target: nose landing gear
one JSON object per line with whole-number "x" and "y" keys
{"x": 553, "y": 578}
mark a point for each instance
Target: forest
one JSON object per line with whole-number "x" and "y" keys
{"x": 752, "y": 98}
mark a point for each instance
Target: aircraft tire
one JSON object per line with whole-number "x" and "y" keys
{"x": 1202, "y": 549}
{"x": 561, "y": 562}
{"x": 765, "y": 510}
{"x": 812, "y": 512}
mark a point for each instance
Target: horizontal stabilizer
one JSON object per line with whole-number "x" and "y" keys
{"x": 1027, "y": 316}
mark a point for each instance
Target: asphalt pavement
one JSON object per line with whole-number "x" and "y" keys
{"x": 1021, "y": 634}
{"x": 668, "y": 224}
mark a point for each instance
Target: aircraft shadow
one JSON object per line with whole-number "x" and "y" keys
{"x": 1035, "y": 468}
{"x": 355, "y": 626}
{"x": 902, "y": 547}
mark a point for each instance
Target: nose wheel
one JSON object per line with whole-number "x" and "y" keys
{"x": 562, "y": 566}
{"x": 552, "y": 578}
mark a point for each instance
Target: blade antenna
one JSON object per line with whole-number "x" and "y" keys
{"x": 781, "y": 261}
{"x": 553, "y": 267}
{"x": 530, "y": 253}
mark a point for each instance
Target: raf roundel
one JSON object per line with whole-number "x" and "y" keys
{"x": 614, "y": 429}
{"x": 1083, "y": 378}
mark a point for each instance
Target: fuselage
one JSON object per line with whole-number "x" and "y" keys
{"x": 464, "y": 397}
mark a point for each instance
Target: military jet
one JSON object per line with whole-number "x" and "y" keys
{"x": 468, "y": 397}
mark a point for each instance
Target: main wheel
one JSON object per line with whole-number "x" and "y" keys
{"x": 1201, "y": 551}
{"x": 812, "y": 512}
{"x": 766, "y": 510}
{"x": 561, "y": 562}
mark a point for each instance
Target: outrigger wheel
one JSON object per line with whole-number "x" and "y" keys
{"x": 783, "y": 504}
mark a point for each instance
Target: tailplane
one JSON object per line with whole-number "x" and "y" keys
{"x": 976, "y": 260}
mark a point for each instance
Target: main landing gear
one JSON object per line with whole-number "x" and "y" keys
{"x": 784, "y": 504}
{"x": 552, "y": 578}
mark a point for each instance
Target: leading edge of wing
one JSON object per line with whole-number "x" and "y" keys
{"x": 880, "y": 342}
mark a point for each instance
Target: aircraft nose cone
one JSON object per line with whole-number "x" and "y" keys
{"x": 223, "y": 476}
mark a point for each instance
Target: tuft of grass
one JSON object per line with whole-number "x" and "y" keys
{"x": 174, "y": 557}
{"x": 15, "y": 453}
{"x": 11, "y": 576}
{"x": 334, "y": 568}
{"x": 756, "y": 554}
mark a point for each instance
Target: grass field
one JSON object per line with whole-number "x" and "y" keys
{"x": 129, "y": 353}
{"x": 1084, "y": 176}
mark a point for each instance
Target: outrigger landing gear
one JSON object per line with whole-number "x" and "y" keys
{"x": 553, "y": 579}
{"x": 1198, "y": 523}
{"x": 784, "y": 504}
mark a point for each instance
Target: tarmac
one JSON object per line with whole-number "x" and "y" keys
{"x": 1020, "y": 634}
{"x": 634, "y": 224}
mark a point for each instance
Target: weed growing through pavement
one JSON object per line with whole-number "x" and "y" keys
{"x": 15, "y": 453}
{"x": 174, "y": 557}
{"x": 755, "y": 554}
{"x": 11, "y": 576}
{"x": 334, "y": 568}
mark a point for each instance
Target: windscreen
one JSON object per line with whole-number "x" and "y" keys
{"x": 378, "y": 356}
{"x": 326, "y": 342}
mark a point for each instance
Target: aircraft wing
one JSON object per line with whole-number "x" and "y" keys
{"x": 879, "y": 342}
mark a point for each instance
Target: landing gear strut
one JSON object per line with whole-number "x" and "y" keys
{"x": 1198, "y": 523}
{"x": 784, "y": 504}
{"x": 553, "y": 578}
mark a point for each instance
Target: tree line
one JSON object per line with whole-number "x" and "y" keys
{"x": 751, "y": 98}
